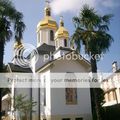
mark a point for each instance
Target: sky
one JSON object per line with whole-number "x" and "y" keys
{"x": 33, "y": 11}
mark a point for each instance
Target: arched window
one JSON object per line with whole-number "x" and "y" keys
{"x": 51, "y": 35}
{"x": 70, "y": 90}
{"x": 65, "y": 42}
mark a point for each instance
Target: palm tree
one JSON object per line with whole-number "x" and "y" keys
{"x": 9, "y": 17}
{"x": 11, "y": 22}
{"x": 91, "y": 31}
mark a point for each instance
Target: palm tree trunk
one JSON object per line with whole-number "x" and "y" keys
{"x": 94, "y": 95}
{"x": 0, "y": 103}
{"x": 1, "y": 55}
{"x": 1, "y": 70}
{"x": 93, "y": 65}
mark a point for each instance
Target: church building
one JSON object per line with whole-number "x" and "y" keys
{"x": 54, "y": 103}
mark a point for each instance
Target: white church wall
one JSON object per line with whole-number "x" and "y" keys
{"x": 45, "y": 108}
{"x": 58, "y": 103}
{"x": 32, "y": 64}
{"x": 60, "y": 53}
{"x": 35, "y": 98}
{"x": 66, "y": 65}
{"x": 60, "y": 42}
{"x": 43, "y": 36}
{"x": 57, "y": 54}
{"x": 81, "y": 109}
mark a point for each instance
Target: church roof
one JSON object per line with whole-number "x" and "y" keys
{"x": 16, "y": 68}
{"x": 45, "y": 49}
{"x": 47, "y": 22}
{"x": 63, "y": 48}
{"x": 52, "y": 61}
{"x": 62, "y": 32}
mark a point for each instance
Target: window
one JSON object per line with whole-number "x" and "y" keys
{"x": 78, "y": 118}
{"x": 70, "y": 90}
{"x": 71, "y": 95}
{"x": 66, "y": 119}
{"x": 109, "y": 98}
{"x": 106, "y": 97}
{"x": 44, "y": 91}
{"x": 65, "y": 42}
{"x": 114, "y": 95}
{"x": 51, "y": 35}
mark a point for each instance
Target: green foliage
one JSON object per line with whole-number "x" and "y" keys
{"x": 24, "y": 105}
{"x": 11, "y": 23}
{"x": 91, "y": 30}
{"x": 9, "y": 17}
{"x": 112, "y": 112}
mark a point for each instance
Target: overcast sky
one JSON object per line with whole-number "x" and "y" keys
{"x": 33, "y": 11}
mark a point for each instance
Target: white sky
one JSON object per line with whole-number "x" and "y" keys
{"x": 62, "y": 6}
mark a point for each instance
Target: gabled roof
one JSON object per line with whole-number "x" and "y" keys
{"x": 63, "y": 48}
{"x": 15, "y": 68}
{"x": 43, "y": 49}
{"x": 46, "y": 49}
{"x": 50, "y": 62}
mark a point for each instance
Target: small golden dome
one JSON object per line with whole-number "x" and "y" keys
{"x": 48, "y": 21}
{"x": 18, "y": 45}
{"x": 62, "y": 31}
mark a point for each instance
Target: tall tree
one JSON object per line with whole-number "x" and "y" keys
{"x": 11, "y": 23}
{"x": 91, "y": 31}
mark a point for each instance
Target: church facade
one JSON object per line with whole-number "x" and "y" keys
{"x": 55, "y": 103}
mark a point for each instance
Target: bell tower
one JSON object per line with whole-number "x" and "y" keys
{"x": 62, "y": 35}
{"x": 46, "y": 28}
{"x": 18, "y": 49}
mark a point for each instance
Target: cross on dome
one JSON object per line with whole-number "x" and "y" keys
{"x": 61, "y": 21}
{"x": 47, "y": 3}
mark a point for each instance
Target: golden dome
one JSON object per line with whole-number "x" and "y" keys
{"x": 62, "y": 31}
{"x": 18, "y": 45}
{"x": 48, "y": 21}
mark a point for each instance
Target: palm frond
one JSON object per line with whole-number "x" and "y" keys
{"x": 91, "y": 31}
{"x": 107, "y": 18}
{"x": 14, "y": 17}
{"x": 103, "y": 28}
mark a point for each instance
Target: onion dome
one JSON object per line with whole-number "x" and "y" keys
{"x": 62, "y": 32}
{"x": 48, "y": 21}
